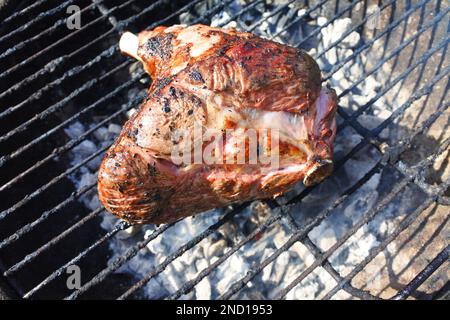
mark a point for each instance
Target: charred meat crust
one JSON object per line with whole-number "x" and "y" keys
{"x": 160, "y": 45}
{"x": 192, "y": 67}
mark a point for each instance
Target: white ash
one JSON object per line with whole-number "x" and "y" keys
{"x": 292, "y": 262}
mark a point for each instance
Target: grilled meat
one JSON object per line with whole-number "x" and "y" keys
{"x": 234, "y": 83}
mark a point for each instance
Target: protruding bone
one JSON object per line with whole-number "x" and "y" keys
{"x": 129, "y": 44}
{"x": 319, "y": 171}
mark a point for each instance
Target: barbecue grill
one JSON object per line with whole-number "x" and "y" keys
{"x": 64, "y": 92}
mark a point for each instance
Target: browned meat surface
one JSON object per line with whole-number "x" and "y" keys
{"x": 219, "y": 79}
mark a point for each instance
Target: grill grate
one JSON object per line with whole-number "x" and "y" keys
{"x": 47, "y": 84}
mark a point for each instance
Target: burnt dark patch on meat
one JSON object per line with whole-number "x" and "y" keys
{"x": 190, "y": 112}
{"x": 166, "y": 105}
{"x": 160, "y": 84}
{"x": 142, "y": 201}
{"x": 121, "y": 187}
{"x": 196, "y": 101}
{"x": 166, "y": 136}
{"x": 261, "y": 82}
{"x": 172, "y": 92}
{"x": 243, "y": 65}
{"x": 160, "y": 45}
{"x": 150, "y": 197}
{"x": 223, "y": 51}
{"x": 248, "y": 46}
{"x": 196, "y": 76}
{"x": 302, "y": 54}
{"x": 132, "y": 134}
{"x": 151, "y": 168}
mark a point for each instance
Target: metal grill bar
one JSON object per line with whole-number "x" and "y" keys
{"x": 73, "y": 142}
{"x": 193, "y": 242}
{"x": 264, "y": 18}
{"x": 237, "y": 286}
{"x": 391, "y": 83}
{"x": 23, "y": 11}
{"x": 57, "y": 62}
{"x": 230, "y": 19}
{"x": 271, "y": 14}
{"x": 407, "y": 221}
{"x": 189, "y": 285}
{"x": 56, "y": 179}
{"x": 70, "y": 73}
{"x": 361, "y": 294}
{"x": 437, "y": 9}
{"x": 30, "y": 257}
{"x": 126, "y": 22}
{"x": 44, "y": 114}
{"x": 441, "y": 258}
{"x": 30, "y": 226}
{"x": 416, "y": 96}
{"x": 58, "y": 23}
{"x": 107, "y": 53}
{"x": 275, "y": 217}
{"x": 326, "y": 24}
{"x": 118, "y": 262}
{"x": 237, "y": 14}
{"x": 365, "y": 219}
{"x": 105, "y": 12}
{"x": 355, "y": 27}
{"x": 65, "y": 122}
{"x": 369, "y": 137}
{"x": 212, "y": 11}
{"x": 311, "y": 9}
{"x": 54, "y": 63}
{"x": 317, "y": 252}
{"x": 37, "y": 192}
{"x": 41, "y": 16}
{"x": 298, "y": 235}
{"x": 87, "y": 85}
{"x": 389, "y": 28}
{"x": 120, "y": 227}
{"x": 443, "y": 293}
{"x": 17, "y": 235}
{"x": 393, "y": 153}
{"x": 318, "y": 261}
{"x": 423, "y": 59}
